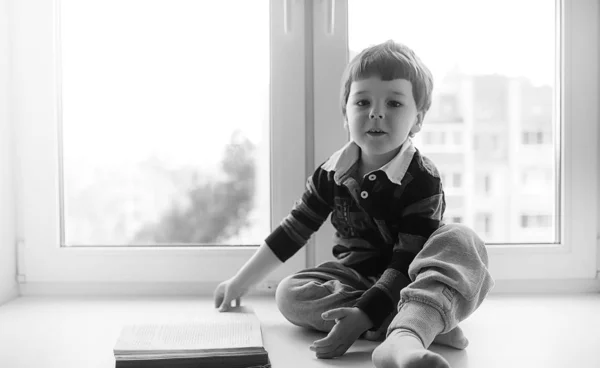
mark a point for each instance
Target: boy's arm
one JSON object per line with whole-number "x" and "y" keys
{"x": 306, "y": 217}
{"x": 418, "y": 221}
{"x": 262, "y": 263}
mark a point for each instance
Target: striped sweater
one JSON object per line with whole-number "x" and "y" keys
{"x": 381, "y": 223}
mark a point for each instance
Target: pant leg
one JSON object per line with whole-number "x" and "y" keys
{"x": 450, "y": 279}
{"x": 304, "y": 296}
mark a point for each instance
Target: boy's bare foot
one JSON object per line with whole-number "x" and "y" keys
{"x": 403, "y": 349}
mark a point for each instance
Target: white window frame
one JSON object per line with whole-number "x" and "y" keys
{"x": 575, "y": 256}
{"x": 44, "y": 266}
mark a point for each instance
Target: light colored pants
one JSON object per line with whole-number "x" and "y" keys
{"x": 449, "y": 280}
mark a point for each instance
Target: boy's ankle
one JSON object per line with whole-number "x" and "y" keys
{"x": 424, "y": 320}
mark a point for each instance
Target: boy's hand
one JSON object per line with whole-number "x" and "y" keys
{"x": 226, "y": 292}
{"x": 350, "y": 323}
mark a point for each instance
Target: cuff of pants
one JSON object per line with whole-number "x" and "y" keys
{"x": 424, "y": 320}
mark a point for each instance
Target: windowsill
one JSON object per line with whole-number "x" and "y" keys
{"x": 506, "y": 331}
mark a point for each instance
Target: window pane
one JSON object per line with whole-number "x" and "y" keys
{"x": 490, "y": 82}
{"x": 165, "y": 120}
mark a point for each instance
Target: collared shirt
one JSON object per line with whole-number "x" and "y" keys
{"x": 381, "y": 222}
{"x": 344, "y": 160}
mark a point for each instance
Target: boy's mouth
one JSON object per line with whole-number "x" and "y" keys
{"x": 375, "y": 133}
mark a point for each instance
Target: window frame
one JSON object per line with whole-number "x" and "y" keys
{"x": 46, "y": 267}
{"x": 575, "y": 255}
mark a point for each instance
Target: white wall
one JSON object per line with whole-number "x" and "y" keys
{"x": 8, "y": 268}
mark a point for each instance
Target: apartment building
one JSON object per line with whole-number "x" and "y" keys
{"x": 493, "y": 138}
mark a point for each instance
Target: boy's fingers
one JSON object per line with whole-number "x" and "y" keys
{"x": 323, "y": 350}
{"x": 226, "y": 303}
{"x": 338, "y": 351}
{"x": 218, "y": 300}
{"x": 224, "y": 307}
{"x": 325, "y": 342}
{"x": 337, "y": 313}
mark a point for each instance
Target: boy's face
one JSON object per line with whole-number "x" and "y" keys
{"x": 380, "y": 115}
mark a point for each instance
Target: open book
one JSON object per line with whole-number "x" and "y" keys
{"x": 224, "y": 340}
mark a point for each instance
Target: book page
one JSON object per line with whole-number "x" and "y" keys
{"x": 218, "y": 331}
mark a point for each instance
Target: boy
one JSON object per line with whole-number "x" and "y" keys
{"x": 400, "y": 272}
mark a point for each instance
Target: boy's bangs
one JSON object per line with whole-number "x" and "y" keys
{"x": 383, "y": 66}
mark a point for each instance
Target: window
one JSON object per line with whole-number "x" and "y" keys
{"x": 494, "y": 89}
{"x": 483, "y": 224}
{"x": 536, "y": 137}
{"x": 489, "y": 93}
{"x": 500, "y": 97}
{"x": 457, "y": 180}
{"x": 451, "y": 178}
{"x": 536, "y": 221}
{"x": 456, "y": 219}
{"x": 484, "y": 184}
{"x": 151, "y": 153}
{"x": 163, "y": 127}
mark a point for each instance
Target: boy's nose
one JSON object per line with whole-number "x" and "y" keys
{"x": 374, "y": 115}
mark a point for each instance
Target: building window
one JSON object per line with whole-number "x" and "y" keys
{"x": 540, "y": 137}
{"x": 456, "y": 219}
{"x": 457, "y": 180}
{"x": 487, "y": 180}
{"x": 483, "y": 223}
{"x": 536, "y": 221}
{"x": 442, "y": 138}
{"x": 536, "y": 137}
{"x": 451, "y": 178}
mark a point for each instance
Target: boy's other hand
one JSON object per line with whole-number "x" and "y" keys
{"x": 350, "y": 323}
{"x": 225, "y": 293}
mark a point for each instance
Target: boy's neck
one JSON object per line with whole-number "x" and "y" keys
{"x": 363, "y": 168}
{"x": 367, "y": 164}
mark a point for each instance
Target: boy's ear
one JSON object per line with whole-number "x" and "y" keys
{"x": 418, "y": 123}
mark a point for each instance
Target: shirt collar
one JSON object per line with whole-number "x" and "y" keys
{"x": 342, "y": 162}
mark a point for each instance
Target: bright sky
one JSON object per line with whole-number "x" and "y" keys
{"x": 177, "y": 77}
{"x": 510, "y": 37}
{"x": 171, "y": 77}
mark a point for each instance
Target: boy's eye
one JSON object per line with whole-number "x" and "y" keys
{"x": 394, "y": 104}
{"x": 362, "y": 103}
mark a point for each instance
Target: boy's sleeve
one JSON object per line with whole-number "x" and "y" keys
{"x": 306, "y": 217}
{"x": 418, "y": 221}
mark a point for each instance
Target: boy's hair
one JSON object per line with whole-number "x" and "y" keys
{"x": 390, "y": 60}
